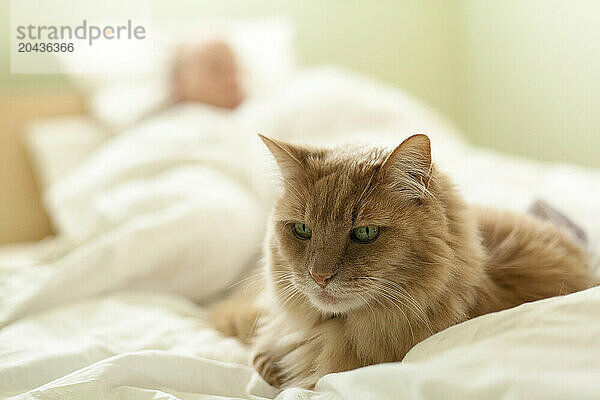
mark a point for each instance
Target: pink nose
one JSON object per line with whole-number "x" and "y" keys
{"x": 322, "y": 280}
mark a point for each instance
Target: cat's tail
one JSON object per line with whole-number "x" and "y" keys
{"x": 545, "y": 211}
{"x": 594, "y": 257}
{"x": 237, "y": 315}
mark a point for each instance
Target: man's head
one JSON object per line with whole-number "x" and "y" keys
{"x": 207, "y": 72}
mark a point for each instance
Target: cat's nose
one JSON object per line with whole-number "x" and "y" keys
{"x": 322, "y": 280}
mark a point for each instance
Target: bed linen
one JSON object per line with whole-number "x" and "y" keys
{"x": 140, "y": 346}
{"x": 57, "y": 145}
{"x": 105, "y": 310}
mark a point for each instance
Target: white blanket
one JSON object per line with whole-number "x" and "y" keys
{"x": 140, "y": 346}
{"x": 177, "y": 205}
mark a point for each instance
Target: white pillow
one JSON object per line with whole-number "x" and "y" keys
{"x": 58, "y": 145}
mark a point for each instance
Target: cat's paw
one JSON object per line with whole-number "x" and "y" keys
{"x": 266, "y": 365}
{"x": 307, "y": 381}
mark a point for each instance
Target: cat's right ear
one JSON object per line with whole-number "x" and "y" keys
{"x": 409, "y": 166}
{"x": 289, "y": 157}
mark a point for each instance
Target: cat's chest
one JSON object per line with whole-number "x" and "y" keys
{"x": 383, "y": 339}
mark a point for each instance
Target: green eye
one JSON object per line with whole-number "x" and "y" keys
{"x": 364, "y": 234}
{"x": 302, "y": 231}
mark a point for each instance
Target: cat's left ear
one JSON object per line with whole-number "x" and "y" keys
{"x": 290, "y": 158}
{"x": 409, "y": 165}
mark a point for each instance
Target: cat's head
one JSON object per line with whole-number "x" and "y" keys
{"x": 355, "y": 224}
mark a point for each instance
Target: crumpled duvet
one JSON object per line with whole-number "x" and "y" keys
{"x": 147, "y": 346}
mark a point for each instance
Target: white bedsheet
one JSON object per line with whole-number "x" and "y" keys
{"x": 177, "y": 205}
{"x": 140, "y": 346}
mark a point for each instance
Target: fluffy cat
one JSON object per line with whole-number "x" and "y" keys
{"x": 368, "y": 252}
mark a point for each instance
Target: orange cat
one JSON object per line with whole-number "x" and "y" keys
{"x": 368, "y": 252}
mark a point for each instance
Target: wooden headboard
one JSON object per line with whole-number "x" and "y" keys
{"x": 22, "y": 216}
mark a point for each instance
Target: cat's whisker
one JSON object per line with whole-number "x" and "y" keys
{"x": 283, "y": 277}
{"x": 412, "y": 334}
{"x": 296, "y": 298}
{"x": 394, "y": 293}
{"x": 281, "y": 272}
{"x": 411, "y": 305}
{"x": 249, "y": 278}
{"x": 290, "y": 299}
{"x": 257, "y": 277}
{"x": 288, "y": 293}
{"x": 367, "y": 304}
{"x": 372, "y": 296}
{"x": 402, "y": 290}
{"x": 411, "y": 300}
{"x": 394, "y": 301}
{"x": 379, "y": 302}
{"x": 415, "y": 302}
{"x": 288, "y": 288}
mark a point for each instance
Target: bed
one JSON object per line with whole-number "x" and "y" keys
{"x": 114, "y": 307}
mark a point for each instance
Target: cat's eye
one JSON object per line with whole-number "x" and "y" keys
{"x": 302, "y": 231}
{"x": 364, "y": 234}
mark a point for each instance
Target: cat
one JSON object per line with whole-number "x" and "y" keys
{"x": 370, "y": 251}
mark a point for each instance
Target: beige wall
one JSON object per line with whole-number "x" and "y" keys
{"x": 530, "y": 77}
{"x": 519, "y": 76}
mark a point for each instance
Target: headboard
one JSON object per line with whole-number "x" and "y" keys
{"x": 22, "y": 216}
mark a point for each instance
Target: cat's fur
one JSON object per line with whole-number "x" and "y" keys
{"x": 437, "y": 262}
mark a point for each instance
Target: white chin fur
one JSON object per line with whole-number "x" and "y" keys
{"x": 339, "y": 307}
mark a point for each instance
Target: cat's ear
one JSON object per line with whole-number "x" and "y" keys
{"x": 409, "y": 165}
{"x": 289, "y": 157}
